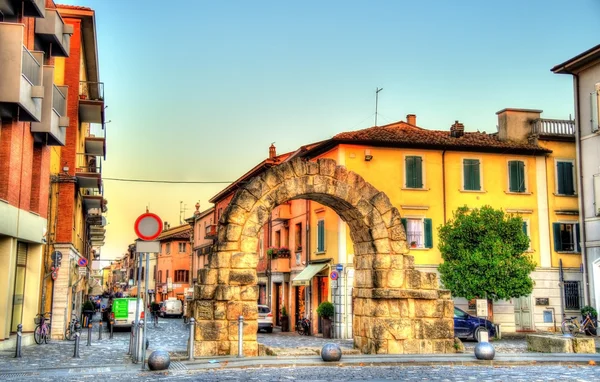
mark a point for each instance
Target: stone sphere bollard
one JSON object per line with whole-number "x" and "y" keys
{"x": 485, "y": 351}
{"x": 331, "y": 352}
{"x": 159, "y": 360}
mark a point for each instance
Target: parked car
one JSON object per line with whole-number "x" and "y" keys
{"x": 467, "y": 326}
{"x": 172, "y": 307}
{"x": 265, "y": 319}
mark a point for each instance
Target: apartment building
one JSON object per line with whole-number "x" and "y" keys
{"x": 173, "y": 263}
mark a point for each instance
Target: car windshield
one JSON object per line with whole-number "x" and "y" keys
{"x": 459, "y": 313}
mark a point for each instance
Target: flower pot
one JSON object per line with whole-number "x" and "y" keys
{"x": 285, "y": 323}
{"x": 326, "y": 327}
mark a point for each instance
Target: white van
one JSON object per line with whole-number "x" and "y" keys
{"x": 123, "y": 311}
{"x": 172, "y": 307}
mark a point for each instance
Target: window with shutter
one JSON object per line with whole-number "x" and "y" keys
{"x": 566, "y": 237}
{"x": 565, "y": 178}
{"x": 321, "y": 236}
{"x": 414, "y": 172}
{"x": 471, "y": 175}
{"x": 419, "y": 232}
{"x": 516, "y": 176}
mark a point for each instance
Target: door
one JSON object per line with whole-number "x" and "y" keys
{"x": 323, "y": 294}
{"x": 19, "y": 291}
{"x": 278, "y": 297}
{"x": 461, "y": 323}
{"x": 300, "y": 304}
{"x": 523, "y": 314}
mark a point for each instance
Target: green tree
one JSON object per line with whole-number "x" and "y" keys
{"x": 484, "y": 255}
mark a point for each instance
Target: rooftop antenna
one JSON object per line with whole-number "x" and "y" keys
{"x": 377, "y": 90}
{"x": 182, "y": 209}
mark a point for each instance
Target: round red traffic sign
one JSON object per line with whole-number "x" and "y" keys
{"x": 82, "y": 262}
{"x": 148, "y": 226}
{"x": 334, "y": 275}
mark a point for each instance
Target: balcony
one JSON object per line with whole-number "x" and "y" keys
{"x": 53, "y": 31}
{"x": 21, "y": 89}
{"x": 553, "y": 127}
{"x": 93, "y": 201}
{"x": 89, "y": 175}
{"x": 52, "y": 129}
{"x": 91, "y": 102}
{"x": 280, "y": 265}
{"x": 282, "y": 212}
{"x": 95, "y": 141}
{"x": 31, "y": 8}
{"x": 211, "y": 231}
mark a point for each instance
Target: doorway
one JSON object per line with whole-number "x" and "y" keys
{"x": 523, "y": 314}
{"x": 278, "y": 303}
{"x": 322, "y": 295}
{"x": 300, "y": 303}
{"x": 19, "y": 291}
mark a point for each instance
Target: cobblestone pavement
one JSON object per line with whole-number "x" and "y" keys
{"x": 335, "y": 373}
{"x": 170, "y": 335}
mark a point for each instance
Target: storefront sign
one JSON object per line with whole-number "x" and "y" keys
{"x": 542, "y": 301}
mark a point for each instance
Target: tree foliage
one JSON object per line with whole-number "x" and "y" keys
{"x": 484, "y": 255}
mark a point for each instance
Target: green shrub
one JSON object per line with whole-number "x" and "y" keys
{"x": 589, "y": 309}
{"x": 325, "y": 309}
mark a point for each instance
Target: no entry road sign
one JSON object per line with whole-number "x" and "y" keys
{"x": 148, "y": 226}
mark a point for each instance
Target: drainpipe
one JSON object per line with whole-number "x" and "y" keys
{"x": 444, "y": 183}
{"x": 580, "y": 199}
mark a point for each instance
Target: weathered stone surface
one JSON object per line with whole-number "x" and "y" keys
{"x": 220, "y": 260}
{"x": 210, "y": 330}
{"x": 249, "y": 293}
{"x": 409, "y": 262}
{"x": 249, "y": 244}
{"x": 381, "y": 202}
{"x": 249, "y": 331}
{"x": 392, "y": 218}
{"x": 445, "y": 294}
{"x": 312, "y": 168}
{"x": 203, "y": 310}
{"x": 220, "y": 310}
{"x": 208, "y": 276}
{"x": 429, "y": 308}
{"x": 379, "y": 231}
{"x": 237, "y": 215}
{"x": 438, "y": 328}
{"x": 448, "y": 309}
{"x": 273, "y": 177}
{"x": 584, "y": 345}
{"x": 287, "y": 170}
{"x": 395, "y": 278}
{"x": 548, "y": 343}
{"x": 429, "y": 280}
{"x": 382, "y": 245}
{"x": 398, "y": 247}
{"x": 223, "y": 276}
{"x": 257, "y": 187}
{"x": 397, "y": 261}
{"x": 233, "y": 232}
{"x": 227, "y": 245}
{"x": 323, "y": 185}
{"x": 205, "y": 292}
{"x": 244, "y": 199}
{"x": 204, "y": 348}
{"x": 227, "y": 292}
{"x": 243, "y": 277}
{"x": 381, "y": 261}
{"x": 244, "y": 260}
{"x": 413, "y": 279}
{"x": 326, "y": 166}
{"x": 363, "y": 278}
{"x": 299, "y": 167}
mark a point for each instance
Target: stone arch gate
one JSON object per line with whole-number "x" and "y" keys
{"x": 397, "y": 309}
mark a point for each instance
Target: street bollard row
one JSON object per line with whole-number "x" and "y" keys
{"x": 89, "y": 339}
{"x": 100, "y": 330}
{"x": 192, "y": 324}
{"x": 76, "y": 351}
{"x": 240, "y": 337}
{"x": 19, "y": 336}
{"x": 112, "y": 323}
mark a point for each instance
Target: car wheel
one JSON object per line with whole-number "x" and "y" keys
{"x": 478, "y": 332}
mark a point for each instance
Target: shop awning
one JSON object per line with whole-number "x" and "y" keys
{"x": 308, "y": 273}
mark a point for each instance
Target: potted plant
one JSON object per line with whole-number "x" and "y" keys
{"x": 285, "y": 320}
{"x": 413, "y": 244}
{"x": 325, "y": 311}
{"x": 272, "y": 252}
{"x": 283, "y": 252}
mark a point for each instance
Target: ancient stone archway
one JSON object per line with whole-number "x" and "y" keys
{"x": 397, "y": 309}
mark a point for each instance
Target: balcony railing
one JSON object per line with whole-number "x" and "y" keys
{"x": 93, "y": 91}
{"x": 91, "y": 164}
{"x": 211, "y": 231}
{"x": 557, "y": 127}
{"x": 31, "y": 68}
{"x": 59, "y": 101}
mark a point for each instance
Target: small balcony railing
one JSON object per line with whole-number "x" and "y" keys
{"x": 31, "y": 68}
{"x": 93, "y": 91}
{"x": 557, "y": 127}
{"x": 89, "y": 164}
{"x": 211, "y": 231}
{"x": 59, "y": 101}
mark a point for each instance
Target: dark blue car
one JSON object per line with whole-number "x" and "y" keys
{"x": 469, "y": 327}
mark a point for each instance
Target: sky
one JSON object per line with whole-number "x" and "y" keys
{"x": 198, "y": 90}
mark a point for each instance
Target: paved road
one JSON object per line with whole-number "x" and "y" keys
{"x": 335, "y": 373}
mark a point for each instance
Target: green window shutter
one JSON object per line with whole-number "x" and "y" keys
{"x": 560, "y": 177}
{"x": 467, "y": 174}
{"x": 410, "y": 172}
{"x": 557, "y": 241}
{"x": 476, "y": 176}
{"x": 565, "y": 178}
{"x": 403, "y": 221}
{"x": 525, "y": 228}
{"x": 321, "y": 236}
{"x": 516, "y": 170}
{"x": 419, "y": 172}
{"x": 428, "y": 233}
{"x": 471, "y": 175}
{"x": 577, "y": 238}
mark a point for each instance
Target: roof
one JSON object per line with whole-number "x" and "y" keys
{"x": 65, "y": 6}
{"x": 578, "y": 62}
{"x": 180, "y": 232}
{"x": 402, "y": 134}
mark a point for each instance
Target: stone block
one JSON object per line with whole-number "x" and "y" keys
{"x": 237, "y": 215}
{"x": 245, "y": 200}
{"x": 220, "y": 310}
{"x": 208, "y": 276}
{"x": 227, "y": 292}
{"x": 429, "y": 280}
{"x": 244, "y": 260}
{"x": 287, "y": 171}
{"x": 326, "y": 166}
{"x": 368, "y": 191}
{"x": 381, "y": 202}
{"x": 379, "y": 231}
{"x": 323, "y": 184}
{"x": 223, "y": 276}
{"x": 342, "y": 190}
{"x": 381, "y": 261}
{"x": 233, "y": 232}
{"x": 341, "y": 174}
{"x": 381, "y": 309}
{"x": 205, "y": 348}
{"x": 429, "y": 308}
{"x": 211, "y": 331}
{"x": 257, "y": 187}
{"x": 397, "y": 261}
{"x": 227, "y": 246}
{"x": 439, "y": 346}
{"x": 363, "y": 278}
{"x": 438, "y": 328}
{"x": 295, "y": 186}
{"x": 397, "y": 233}
{"x": 280, "y": 195}
{"x": 272, "y": 177}
{"x": 448, "y": 309}
{"x": 383, "y": 246}
{"x": 426, "y": 347}
{"x": 249, "y": 244}
{"x": 243, "y": 277}
{"x": 249, "y": 293}
{"x": 364, "y": 262}
{"x": 395, "y": 346}
{"x": 413, "y": 279}
{"x": 392, "y": 219}
{"x": 395, "y": 278}
{"x": 584, "y": 345}
{"x": 312, "y": 168}
{"x": 412, "y": 346}
{"x": 365, "y": 248}
{"x": 204, "y": 310}
{"x": 398, "y": 247}
{"x": 409, "y": 262}
{"x": 299, "y": 167}
{"x": 220, "y": 260}
{"x": 445, "y": 294}
{"x": 380, "y": 278}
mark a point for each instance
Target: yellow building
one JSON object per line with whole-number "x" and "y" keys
{"x": 526, "y": 168}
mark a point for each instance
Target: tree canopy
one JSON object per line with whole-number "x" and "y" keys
{"x": 484, "y": 255}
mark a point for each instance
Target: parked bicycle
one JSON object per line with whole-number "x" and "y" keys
{"x": 42, "y": 330}
{"x": 74, "y": 327}
{"x": 572, "y": 326}
{"x": 303, "y": 326}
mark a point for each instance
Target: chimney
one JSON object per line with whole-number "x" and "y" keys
{"x": 165, "y": 226}
{"x": 515, "y": 124}
{"x": 411, "y": 119}
{"x": 457, "y": 130}
{"x": 272, "y": 151}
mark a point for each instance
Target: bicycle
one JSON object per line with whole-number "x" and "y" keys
{"x": 572, "y": 326}
{"x": 42, "y": 330}
{"x": 74, "y": 327}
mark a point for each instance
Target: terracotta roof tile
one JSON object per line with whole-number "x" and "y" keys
{"x": 403, "y": 133}
{"x": 65, "y": 6}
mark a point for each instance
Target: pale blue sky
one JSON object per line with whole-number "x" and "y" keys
{"x": 198, "y": 90}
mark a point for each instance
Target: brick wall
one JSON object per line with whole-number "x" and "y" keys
{"x": 40, "y": 180}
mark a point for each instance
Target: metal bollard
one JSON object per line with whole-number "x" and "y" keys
{"x": 112, "y": 323}
{"x": 240, "y": 337}
{"x": 100, "y": 330}
{"x": 130, "y": 351}
{"x": 140, "y": 342}
{"x": 191, "y": 341}
{"x": 76, "y": 352}
{"x": 19, "y": 336}
{"x": 89, "y": 341}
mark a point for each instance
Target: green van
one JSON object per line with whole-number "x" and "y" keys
{"x": 123, "y": 311}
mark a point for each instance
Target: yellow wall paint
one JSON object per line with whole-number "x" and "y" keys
{"x": 59, "y": 71}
